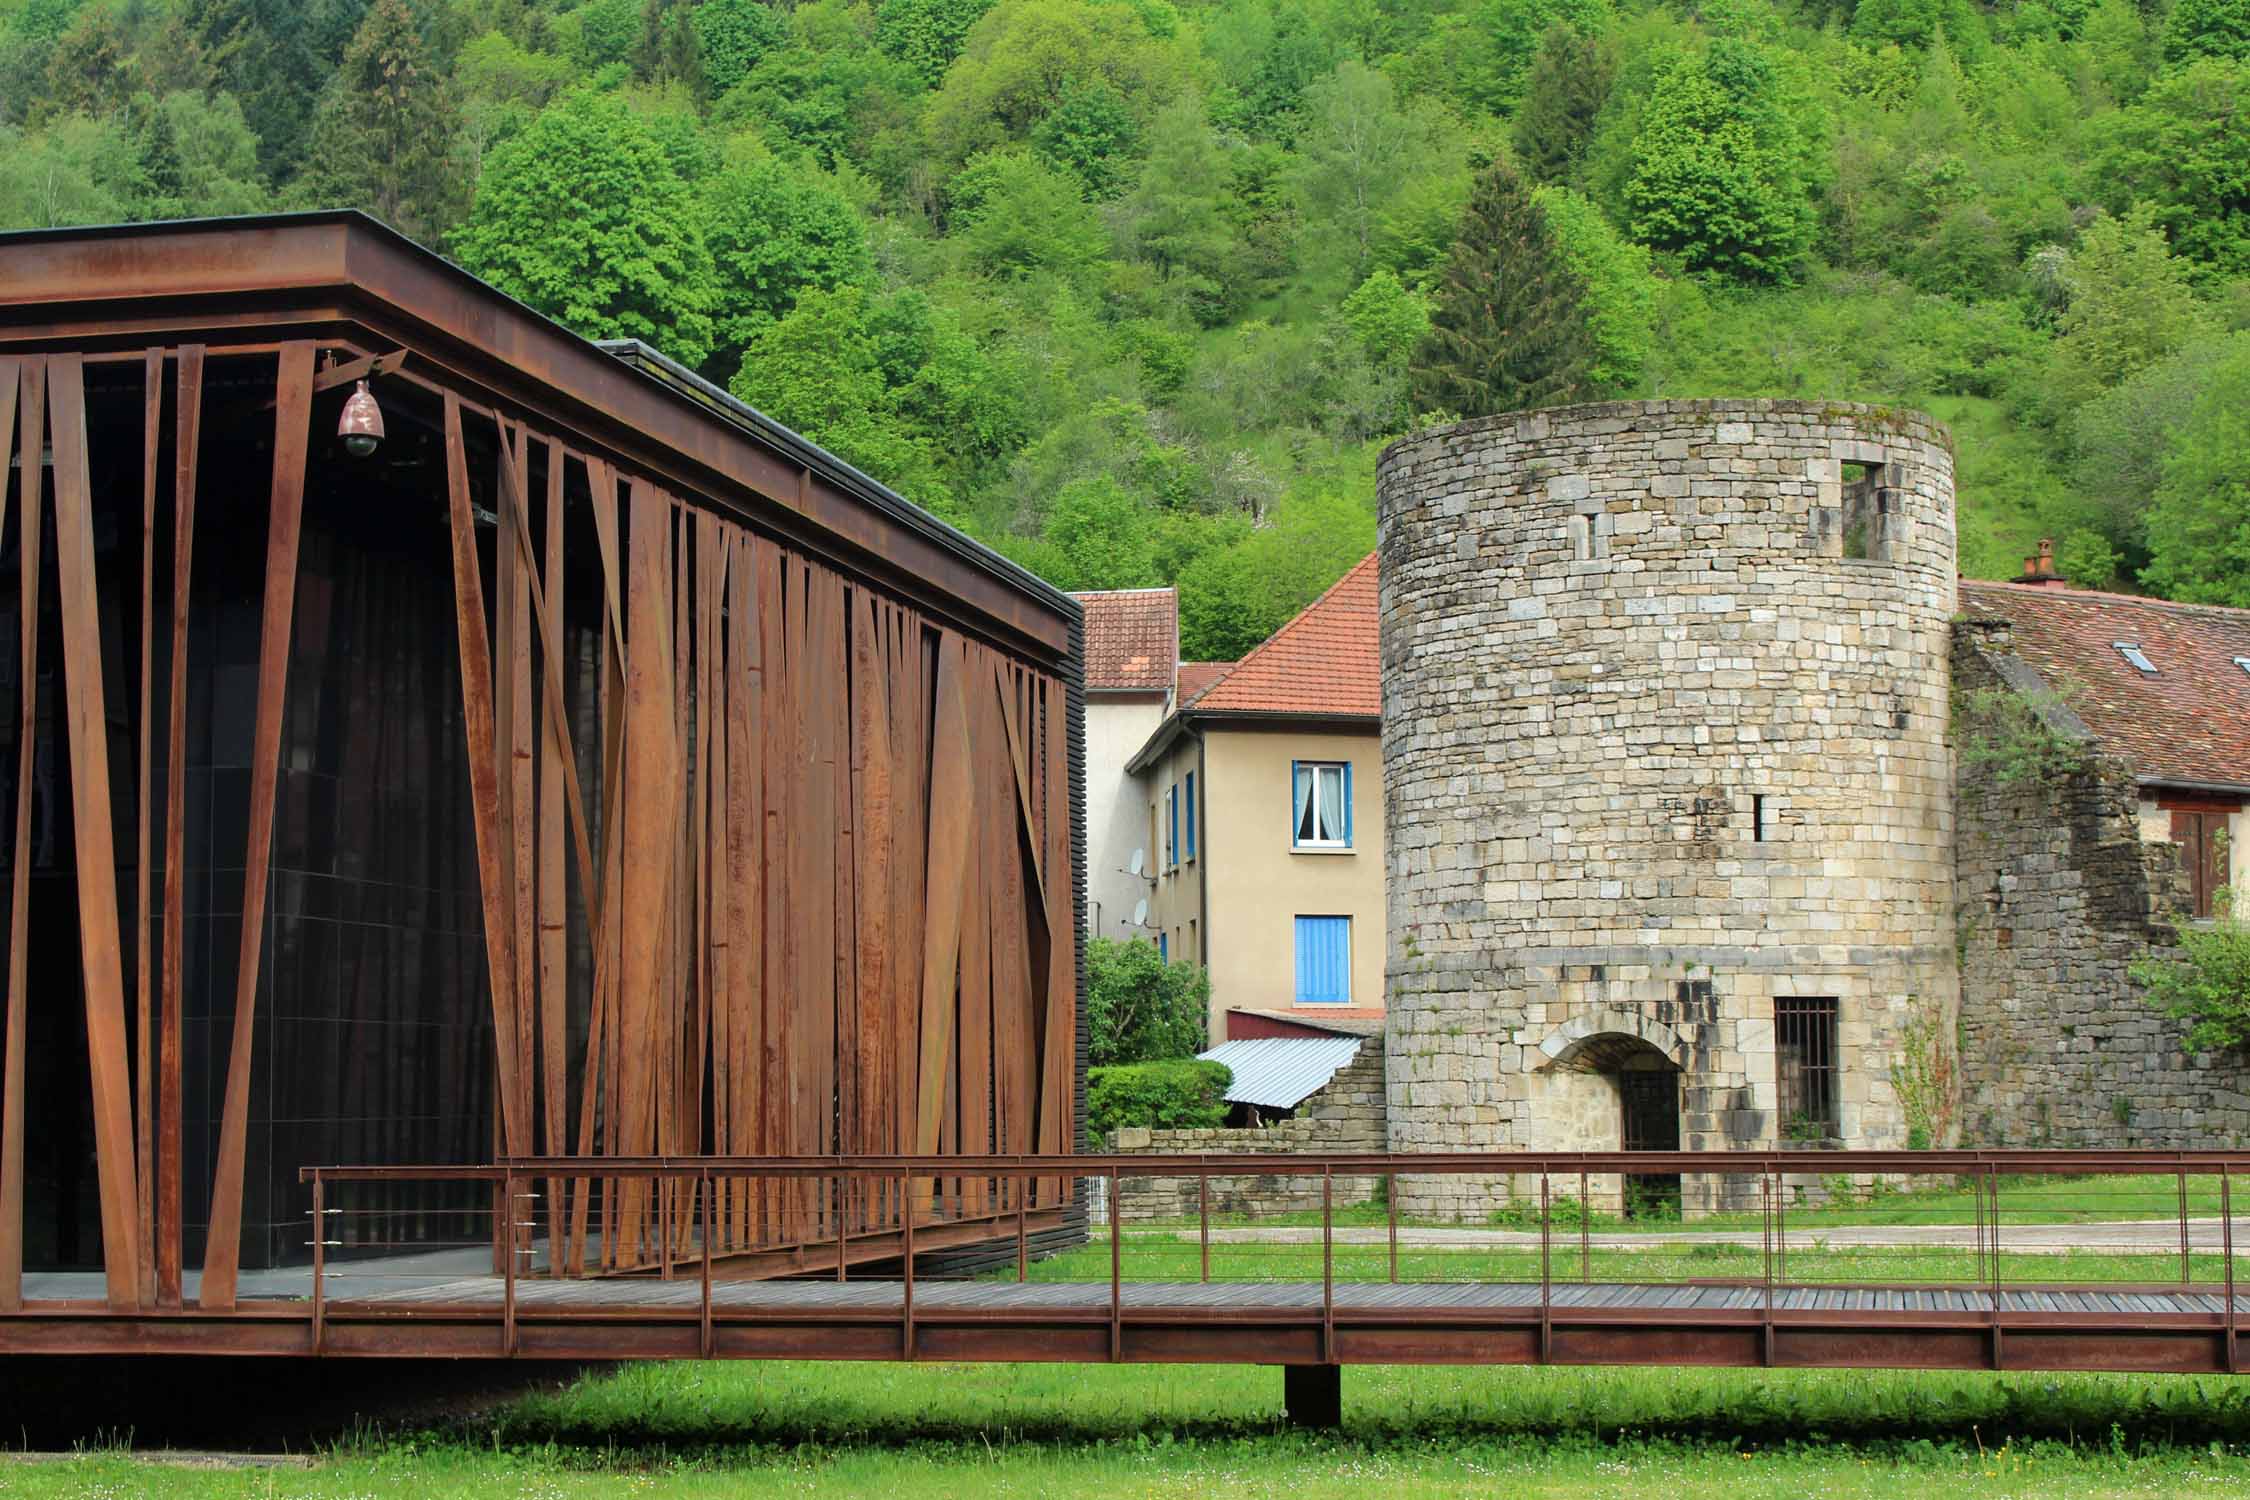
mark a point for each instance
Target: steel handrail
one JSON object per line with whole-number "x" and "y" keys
{"x": 1270, "y": 1163}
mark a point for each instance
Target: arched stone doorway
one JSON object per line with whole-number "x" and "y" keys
{"x": 1621, "y": 1090}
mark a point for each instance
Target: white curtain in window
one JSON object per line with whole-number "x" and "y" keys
{"x": 1332, "y": 803}
{"x": 1304, "y": 792}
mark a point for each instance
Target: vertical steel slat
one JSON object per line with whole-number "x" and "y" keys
{"x": 1390, "y": 1197}
{"x": 906, "y": 1195}
{"x": 705, "y": 1188}
{"x": 2226, "y": 1245}
{"x": 1116, "y": 1275}
{"x": 1780, "y": 1230}
{"x": 1546, "y": 1277}
{"x": 319, "y": 1245}
{"x": 1327, "y": 1265}
{"x": 1766, "y": 1190}
{"x": 1992, "y": 1190}
{"x": 1023, "y": 1237}
{"x": 2186, "y": 1278}
{"x": 1585, "y": 1229}
{"x": 1203, "y": 1215}
{"x": 505, "y": 1211}
{"x": 843, "y": 1219}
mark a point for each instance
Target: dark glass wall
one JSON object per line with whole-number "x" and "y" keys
{"x": 373, "y": 1019}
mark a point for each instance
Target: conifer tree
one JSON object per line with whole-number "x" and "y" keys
{"x": 1570, "y": 81}
{"x": 384, "y": 137}
{"x": 1510, "y": 329}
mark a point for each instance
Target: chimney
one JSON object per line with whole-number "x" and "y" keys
{"x": 2039, "y": 572}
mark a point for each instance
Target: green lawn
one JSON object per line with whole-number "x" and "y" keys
{"x": 1163, "y": 1257}
{"x": 2023, "y": 1200}
{"x": 694, "y": 1430}
{"x": 675, "y": 1431}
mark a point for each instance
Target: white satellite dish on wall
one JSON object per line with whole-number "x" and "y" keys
{"x": 1140, "y": 913}
{"x": 1135, "y": 867}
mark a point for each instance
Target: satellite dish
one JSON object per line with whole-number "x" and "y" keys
{"x": 1140, "y": 913}
{"x": 1136, "y": 869}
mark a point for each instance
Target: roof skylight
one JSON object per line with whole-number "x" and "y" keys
{"x": 2243, "y": 662}
{"x": 2133, "y": 653}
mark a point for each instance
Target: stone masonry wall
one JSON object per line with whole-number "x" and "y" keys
{"x": 2059, "y": 894}
{"x": 1347, "y": 1115}
{"x": 1657, "y": 751}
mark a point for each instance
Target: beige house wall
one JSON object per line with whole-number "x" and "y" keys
{"x": 1117, "y": 725}
{"x": 1176, "y": 901}
{"x": 1259, "y": 885}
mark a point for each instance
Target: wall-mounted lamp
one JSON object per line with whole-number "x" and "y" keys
{"x": 361, "y": 426}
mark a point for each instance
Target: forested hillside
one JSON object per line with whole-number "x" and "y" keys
{"x": 1137, "y": 289}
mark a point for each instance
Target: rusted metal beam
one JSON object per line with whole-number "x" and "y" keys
{"x": 22, "y": 379}
{"x": 332, "y": 275}
{"x": 99, "y": 939}
{"x": 222, "y": 1255}
{"x": 144, "y": 1040}
{"x": 187, "y": 435}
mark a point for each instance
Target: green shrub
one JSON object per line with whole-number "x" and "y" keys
{"x": 1140, "y": 1008}
{"x": 2206, "y": 983}
{"x": 1183, "y": 1093}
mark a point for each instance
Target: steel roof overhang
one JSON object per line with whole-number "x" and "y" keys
{"x": 329, "y": 272}
{"x": 1281, "y": 1072}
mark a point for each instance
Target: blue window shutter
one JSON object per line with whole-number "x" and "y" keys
{"x": 1172, "y": 828}
{"x": 1347, "y": 804}
{"x": 1191, "y": 815}
{"x": 1291, "y": 792}
{"x": 1324, "y": 960}
{"x": 1164, "y": 946}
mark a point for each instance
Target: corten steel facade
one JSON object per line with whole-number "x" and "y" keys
{"x": 1664, "y": 756}
{"x": 595, "y": 769}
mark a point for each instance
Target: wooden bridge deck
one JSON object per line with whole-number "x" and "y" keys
{"x": 1039, "y": 1299}
{"x": 1297, "y": 1323}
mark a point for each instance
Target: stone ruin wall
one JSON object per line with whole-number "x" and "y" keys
{"x": 1345, "y": 1117}
{"x": 2059, "y": 893}
{"x": 1605, "y": 631}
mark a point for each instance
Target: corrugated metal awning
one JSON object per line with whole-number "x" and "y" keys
{"x": 1281, "y": 1072}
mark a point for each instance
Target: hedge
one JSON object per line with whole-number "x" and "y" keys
{"x": 1183, "y": 1093}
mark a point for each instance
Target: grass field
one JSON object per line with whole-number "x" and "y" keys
{"x": 1164, "y": 1257}
{"x": 676, "y": 1431}
{"x": 696, "y": 1430}
{"x": 2023, "y": 1200}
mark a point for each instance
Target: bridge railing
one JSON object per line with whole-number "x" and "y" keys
{"x": 1976, "y": 1226}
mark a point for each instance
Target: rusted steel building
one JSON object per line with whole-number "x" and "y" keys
{"x": 588, "y": 767}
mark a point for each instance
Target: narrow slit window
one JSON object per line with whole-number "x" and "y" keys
{"x": 1758, "y": 818}
{"x": 2132, "y": 652}
{"x": 1805, "y": 1066}
{"x": 1862, "y": 518}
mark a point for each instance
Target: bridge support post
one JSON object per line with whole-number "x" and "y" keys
{"x": 1313, "y": 1396}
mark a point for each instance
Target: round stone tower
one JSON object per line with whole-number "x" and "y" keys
{"x": 1668, "y": 795}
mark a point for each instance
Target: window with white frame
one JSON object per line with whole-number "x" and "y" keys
{"x": 1321, "y": 805}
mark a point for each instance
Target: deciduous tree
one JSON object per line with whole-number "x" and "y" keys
{"x": 774, "y": 230}
{"x": 1717, "y": 175}
{"x": 584, "y": 217}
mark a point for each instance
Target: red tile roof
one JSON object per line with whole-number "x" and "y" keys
{"x": 1328, "y": 660}
{"x": 1195, "y": 676}
{"x": 1132, "y": 639}
{"x": 2188, "y": 722}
